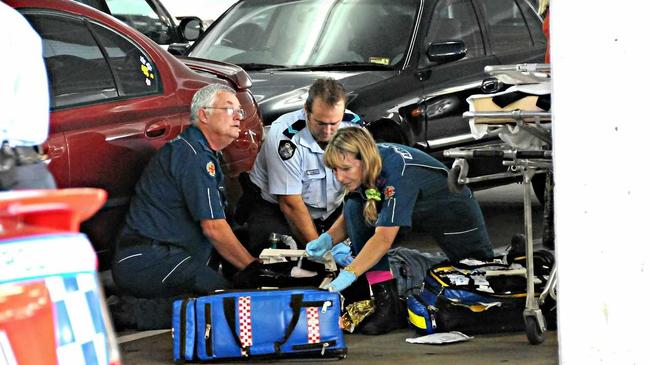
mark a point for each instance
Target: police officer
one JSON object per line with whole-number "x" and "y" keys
{"x": 392, "y": 188}
{"x": 290, "y": 190}
{"x": 176, "y": 218}
{"x": 25, "y": 111}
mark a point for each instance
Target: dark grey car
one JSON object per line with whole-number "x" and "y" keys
{"x": 409, "y": 65}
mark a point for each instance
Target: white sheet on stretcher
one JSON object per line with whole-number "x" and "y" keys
{"x": 520, "y": 74}
{"x": 510, "y": 134}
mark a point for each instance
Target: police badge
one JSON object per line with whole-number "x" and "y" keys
{"x": 286, "y": 149}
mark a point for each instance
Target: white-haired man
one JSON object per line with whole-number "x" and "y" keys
{"x": 176, "y": 220}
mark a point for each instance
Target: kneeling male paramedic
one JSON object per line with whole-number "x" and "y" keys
{"x": 176, "y": 219}
{"x": 291, "y": 191}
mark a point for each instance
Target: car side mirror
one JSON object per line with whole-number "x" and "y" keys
{"x": 190, "y": 27}
{"x": 446, "y": 51}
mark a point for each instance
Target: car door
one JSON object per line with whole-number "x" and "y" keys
{"x": 445, "y": 86}
{"x": 109, "y": 112}
{"x": 514, "y": 31}
{"x": 510, "y": 40}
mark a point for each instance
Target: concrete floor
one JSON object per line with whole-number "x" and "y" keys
{"x": 505, "y": 348}
{"x": 503, "y": 211}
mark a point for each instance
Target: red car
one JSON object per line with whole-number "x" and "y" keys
{"x": 116, "y": 97}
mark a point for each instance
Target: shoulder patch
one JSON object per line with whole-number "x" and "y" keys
{"x": 286, "y": 149}
{"x": 296, "y": 127}
{"x": 352, "y": 118}
{"x": 209, "y": 167}
{"x": 389, "y": 192}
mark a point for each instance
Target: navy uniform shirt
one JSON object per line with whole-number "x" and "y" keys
{"x": 290, "y": 162}
{"x": 415, "y": 197}
{"x": 406, "y": 175}
{"x": 178, "y": 189}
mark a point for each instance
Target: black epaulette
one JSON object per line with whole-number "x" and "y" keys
{"x": 352, "y": 118}
{"x": 296, "y": 127}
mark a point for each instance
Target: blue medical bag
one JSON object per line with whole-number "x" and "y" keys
{"x": 276, "y": 323}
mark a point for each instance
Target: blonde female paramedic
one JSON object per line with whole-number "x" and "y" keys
{"x": 393, "y": 188}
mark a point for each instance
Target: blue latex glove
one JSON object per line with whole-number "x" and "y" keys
{"x": 345, "y": 279}
{"x": 342, "y": 254}
{"x": 320, "y": 245}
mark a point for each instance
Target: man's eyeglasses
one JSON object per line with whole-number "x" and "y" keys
{"x": 229, "y": 110}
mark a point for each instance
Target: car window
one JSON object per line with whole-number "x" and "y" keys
{"x": 136, "y": 74}
{"x": 311, "y": 32}
{"x": 77, "y": 70}
{"x": 141, "y": 16}
{"x": 508, "y": 30}
{"x": 97, "y": 4}
{"x": 534, "y": 23}
{"x": 456, "y": 20}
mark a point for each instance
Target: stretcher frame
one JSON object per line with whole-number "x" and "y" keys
{"x": 524, "y": 163}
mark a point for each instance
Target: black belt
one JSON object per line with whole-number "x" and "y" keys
{"x": 11, "y": 157}
{"x": 20, "y": 155}
{"x": 28, "y": 155}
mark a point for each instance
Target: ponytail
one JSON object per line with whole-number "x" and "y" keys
{"x": 370, "y": 208}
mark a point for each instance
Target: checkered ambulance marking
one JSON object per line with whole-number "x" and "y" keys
{"x": 80, "y": 330}
{"x": 79, "y": 318}
{"x": 313, "y": 325}
{"x": 245, "y": 329}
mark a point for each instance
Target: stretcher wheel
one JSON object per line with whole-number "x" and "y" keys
{"x": 533, "y": 331}
{"x": 452, "y": 180}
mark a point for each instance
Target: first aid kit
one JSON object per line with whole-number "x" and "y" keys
{"x": 473, "y": 297}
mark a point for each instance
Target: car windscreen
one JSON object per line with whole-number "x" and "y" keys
{"x": 259, "y": 34}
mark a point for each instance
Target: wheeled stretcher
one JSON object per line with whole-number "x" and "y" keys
{"x": 521, "y": 117}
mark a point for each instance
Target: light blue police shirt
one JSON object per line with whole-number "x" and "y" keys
{"x": 290, "y": 162}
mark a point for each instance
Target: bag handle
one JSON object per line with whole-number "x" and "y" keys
{"x": 229, "y": 313}
{"x": 296, "y": 304}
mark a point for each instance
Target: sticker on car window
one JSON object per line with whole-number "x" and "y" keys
{"x": 380, "y": 60}
{"x": 147, "y": 70}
